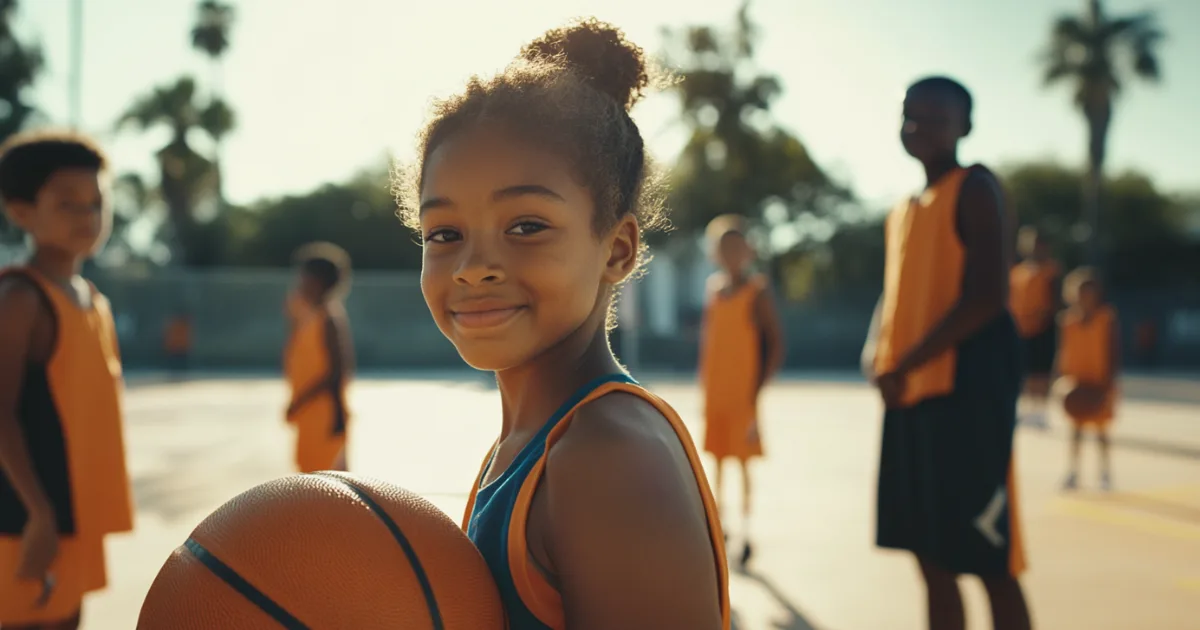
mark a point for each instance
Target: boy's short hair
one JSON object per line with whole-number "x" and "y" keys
{"x": 28, "y": 159}
{"x": 1076, "y": 280}
{"x": 952, "y": 87}
{"x": 326, "y": 262}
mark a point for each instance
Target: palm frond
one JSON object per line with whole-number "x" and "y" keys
{"x": 1070, "y": 29}
{"x": 1058, "y": 70}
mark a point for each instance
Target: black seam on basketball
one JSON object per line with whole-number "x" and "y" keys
{"x": 246, "y": 589}
{"x": 426, "y": 588}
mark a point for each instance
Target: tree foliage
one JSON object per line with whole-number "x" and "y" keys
{"x": 188, "y": 180}
{"x": 359, "y": 215}
{"x": 20, "y": 65}
{"x": 738, "y": 159}
{"x": 1146, "y": 241}
{"x": 1095, "y": 52}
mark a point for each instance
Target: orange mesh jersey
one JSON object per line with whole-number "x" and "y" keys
{"x": 71, "y": 412}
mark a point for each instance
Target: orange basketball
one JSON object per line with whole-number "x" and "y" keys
{"x": 324, "y": 551}
{"x": 1083, "y": 401}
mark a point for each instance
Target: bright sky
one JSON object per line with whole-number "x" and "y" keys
{"x": 321, "y": 92}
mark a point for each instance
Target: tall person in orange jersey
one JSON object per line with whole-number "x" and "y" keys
{"x": 741, "y": 348}
{"x": 946, "y": 359}
{"x": 63, "y": 481}
{"x": 1034, "y": 290}
{"x": 319, "y": 358}
{"x": 532, "y": 190}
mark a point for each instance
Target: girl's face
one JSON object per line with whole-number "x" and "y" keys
{"x": 512, "y": 265}
{"x": 1089, "y": 296}
{"x": 308, "y": 289}
{"x": 733, "y": 253}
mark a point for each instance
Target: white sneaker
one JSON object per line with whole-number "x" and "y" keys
{"x": 1072, "y": 482}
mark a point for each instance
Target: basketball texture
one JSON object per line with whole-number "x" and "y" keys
{"x": 324, "y": 551}
{"x": 1083, "y": 401}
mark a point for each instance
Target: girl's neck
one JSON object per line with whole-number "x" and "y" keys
{"x": 55, "y": 265}
{"x": 530, "y": 393}
{"x": 736, "y": 278}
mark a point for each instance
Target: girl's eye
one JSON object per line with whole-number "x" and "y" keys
{"x": 527, "y": 228}
{"x": 442, "y": 235}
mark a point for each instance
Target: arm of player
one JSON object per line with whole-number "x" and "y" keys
{"x": 628, "y": 539}
{"x": 867, "y": 359}
{"x": 985, "y": 275}
{"x": 1114, "y": 353}
{"x": 767, "y": 315}
{"x": 335, "y": 349}
{"x": 20, "y": 304}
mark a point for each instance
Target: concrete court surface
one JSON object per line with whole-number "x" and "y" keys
{"x": 1130, "y": 559}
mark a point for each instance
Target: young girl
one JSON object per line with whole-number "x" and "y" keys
{"x": 531, "y": 194}
{"x": 1087, "y": 364}
{"x": 741, "y": 347}
{"x": 319, "y": 358}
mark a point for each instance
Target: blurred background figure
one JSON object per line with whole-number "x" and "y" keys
{"x": 1034, "y": 290}
{"x": 741, "y": 349}
{"x": 177, "y": 343}
{"x": 1090, "y": 360}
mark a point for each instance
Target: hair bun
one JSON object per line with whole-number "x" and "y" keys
{"x": 599, "y": 52}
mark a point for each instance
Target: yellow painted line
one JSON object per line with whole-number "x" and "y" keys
{"x": 1189, "y": 584}
{"x": 1144, "y": 523}
{"x": 1172, "y": 492}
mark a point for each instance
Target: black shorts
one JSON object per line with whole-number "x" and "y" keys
{"x": 1039, "y": 352}
{"x": 944, "y": 465}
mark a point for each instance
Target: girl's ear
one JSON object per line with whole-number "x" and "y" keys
{"x": 623, "y": 243}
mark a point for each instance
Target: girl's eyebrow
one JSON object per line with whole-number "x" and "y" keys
{"x": 508, "y": 192}
{"x": 521, "y": 190}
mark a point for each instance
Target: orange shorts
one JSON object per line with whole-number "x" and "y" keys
{"x": 78, "y": 569}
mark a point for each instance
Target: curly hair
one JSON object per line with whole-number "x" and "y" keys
{"x": 28, "y": 159}
{"x": 570, "y": 90}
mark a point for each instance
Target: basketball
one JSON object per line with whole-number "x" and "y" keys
{"x": 324, "y": 550}
{"x": 1083, "y": 401}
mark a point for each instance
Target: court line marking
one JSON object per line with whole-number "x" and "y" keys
{"x": 1145, "y": 523}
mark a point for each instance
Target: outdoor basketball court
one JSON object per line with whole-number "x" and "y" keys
{"x": 1127, "y": 560}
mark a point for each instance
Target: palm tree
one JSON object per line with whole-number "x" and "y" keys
{"x": 210, "y": 35}
{"x": 1095, "y": 52}
{"x": 188, "y": 178}
{"x": 738, "y": 158}
{"x": 20, "y": 65}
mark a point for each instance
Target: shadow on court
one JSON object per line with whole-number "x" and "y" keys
{"x": 793, "y": 620}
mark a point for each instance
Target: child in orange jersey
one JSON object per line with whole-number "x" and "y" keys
{"x": 945, "y": 357}
{"x": 63, "y": 482}
{"x": 1088, "y": 359}
{"x": 741, "y": 347}
{"x": 1034, "y": 299}
{"x": 531, "y": 193}
{"x": 319, "y": 358}
{"x": 177, "y": 342}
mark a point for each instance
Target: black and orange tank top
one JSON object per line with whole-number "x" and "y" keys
{"x": 71, "y": 410}
{"x": 923, "y": 278}
{"x": 1031, "y": 296}
{"x": 497, "y": 514}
